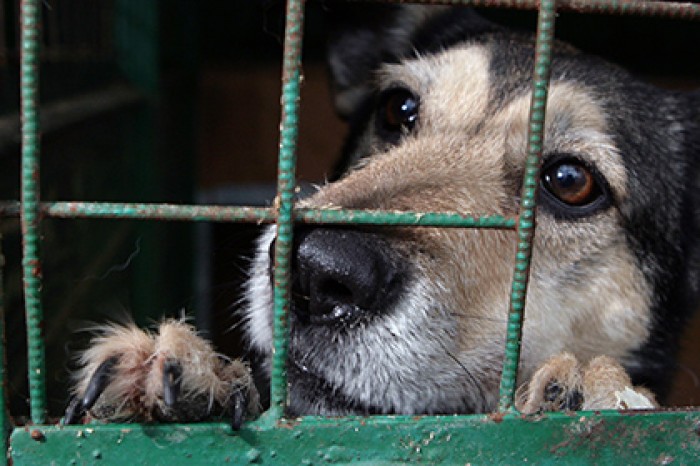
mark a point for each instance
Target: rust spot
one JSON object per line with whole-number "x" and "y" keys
{"x": 37, "y": 435}
{"x": 288, "y": 423}
{"x": 497, "y": 417}
{"x": 36, "y": 267}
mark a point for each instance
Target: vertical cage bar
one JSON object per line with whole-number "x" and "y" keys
{"x": 286, "y": 183}
{"x": 526, "y": 219}
{"x": 29, "y": 208}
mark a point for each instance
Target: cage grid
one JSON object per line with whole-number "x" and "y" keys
{"x": 661, "y": 437}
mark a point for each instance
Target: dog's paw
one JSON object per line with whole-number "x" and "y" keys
{"x": 171, "y": 375}
{"x": 563, "y": 384}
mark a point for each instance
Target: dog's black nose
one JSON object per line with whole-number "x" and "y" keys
{"x": 343, "y": 275}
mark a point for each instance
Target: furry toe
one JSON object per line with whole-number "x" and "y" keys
{"x": 606, "y": 385}
{"x": 555, "y": 386}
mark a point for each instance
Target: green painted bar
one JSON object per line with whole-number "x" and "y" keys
{"x": 218, "y": 213}
{"x": 583, "y": 438}
{"x": 676, "y": 10}
{"x": 286, "y": 185}
{"x": 29, "y": 208}
{"x": 397, "y": 218}
{"x": 526, "y": 224}
{"x": 144, "y": 211}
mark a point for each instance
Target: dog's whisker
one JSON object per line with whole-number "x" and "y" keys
{"x": 474, "y": 382}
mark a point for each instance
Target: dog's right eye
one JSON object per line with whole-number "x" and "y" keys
{"x": 397, "y": 113}
{"x": 572, "y": 188}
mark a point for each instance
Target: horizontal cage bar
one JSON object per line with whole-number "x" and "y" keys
{"x": 608, "y": 437}
{"x": 260, "y": 215}
{"x": 676, "y": 10}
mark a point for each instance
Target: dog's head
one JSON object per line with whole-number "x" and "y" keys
{"x": 399, "y": 320}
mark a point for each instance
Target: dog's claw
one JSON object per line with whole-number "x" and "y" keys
{"x": 574, "y": 400}
{"x": 98, "y": 382}
{"x": 172, "y": 381}
{"x": 239, "y": 405}
{"x": 74, "y": 411}
{"x": 552, "y": 390}
{"x": 77, "y": 407}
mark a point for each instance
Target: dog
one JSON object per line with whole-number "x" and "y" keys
{"x": 398, "y": 320}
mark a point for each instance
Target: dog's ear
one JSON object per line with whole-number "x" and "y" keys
{"x": 362, "y": 37}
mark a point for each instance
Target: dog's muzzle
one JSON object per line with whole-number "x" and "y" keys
{"x": 343, "y": 276}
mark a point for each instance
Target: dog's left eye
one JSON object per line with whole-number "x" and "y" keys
{"x": 397, "y": 113}
{"x": 574, "y": 185}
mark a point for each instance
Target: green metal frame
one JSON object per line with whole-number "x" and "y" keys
{"x": 586, "y": 438}
{"x": 505, "y": 436}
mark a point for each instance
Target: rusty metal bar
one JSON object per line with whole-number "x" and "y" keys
{"x": 526, "y": 220}
{"x": 286, "y": 184}
{"x": 677, "y": 10}
{"x": 231, "y": 214}
{"x": 29, "y": 208}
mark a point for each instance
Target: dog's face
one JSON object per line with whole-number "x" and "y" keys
{"x": 399, "y": 320}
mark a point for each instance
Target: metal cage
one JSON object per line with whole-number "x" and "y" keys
{"x": 505, "y": 436}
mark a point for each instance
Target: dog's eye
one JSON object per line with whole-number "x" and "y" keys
{"x": 574, "y": 186}
{"x": 571, "y": 183}
{"x": 397, "y": 113}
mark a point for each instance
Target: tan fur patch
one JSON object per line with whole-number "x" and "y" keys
{"x": 458, "y": 79}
